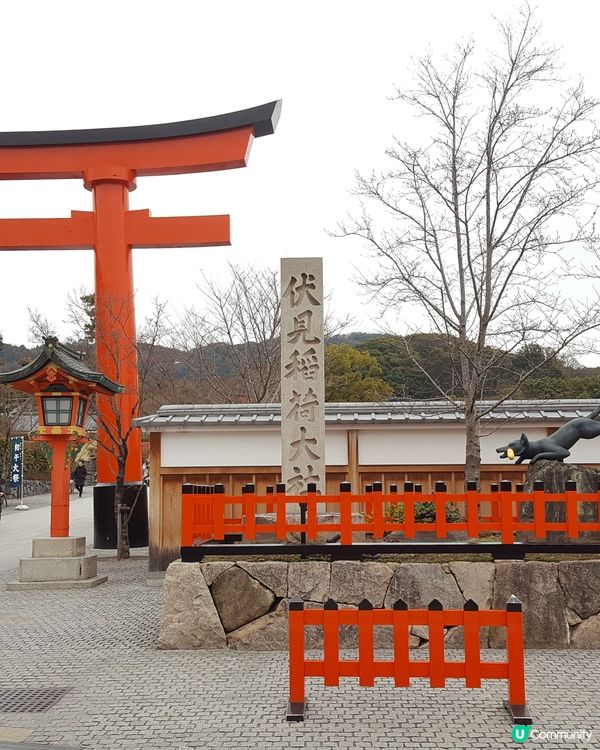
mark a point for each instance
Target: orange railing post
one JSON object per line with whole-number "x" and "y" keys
{"x": 539, "y": 509}
{"x": 437, "y": 661}
{"x": 506, "y": 513}
{"x": 281, "y": 511}
{"x": 345, "y": 507}
{"x": 401, "y": 644}
{"x": 367, "y": 501}
{"x": 495, "y": 509}
{"x": 331, "y": 644}
{"x": 472, "y": 510}
{"x": 377, "y": 496}
{"x": 218, "y": 511}
{"x": 409, "y": 512}
{"x": 312, "y": 520}
{"x": 249, "y": 512}
{"x": 366, "y": 644}
{"x": 516, "y": 662}
{"x": 297, "y": 704}
{"x": 439, "y": 500}
{"x": 572, "y": 509}
{"x": 472, "y": 644}
{"x": 269, "y": 507}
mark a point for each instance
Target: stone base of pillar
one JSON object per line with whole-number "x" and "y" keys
{"x": 58, "y": 563}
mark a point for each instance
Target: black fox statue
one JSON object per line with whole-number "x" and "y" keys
{"x": 556, "y": 446}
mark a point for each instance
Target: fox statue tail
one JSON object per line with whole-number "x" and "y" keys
{"x": 594, "y": 414}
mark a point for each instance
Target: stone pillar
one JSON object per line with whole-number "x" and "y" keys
{"x": 302, "y": 375}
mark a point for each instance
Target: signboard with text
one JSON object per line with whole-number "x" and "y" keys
{"x": 15, "y": 475}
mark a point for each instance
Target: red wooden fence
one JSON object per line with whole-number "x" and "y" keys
{"x": 204, "y": 513}
{"x": 331, "y": 667}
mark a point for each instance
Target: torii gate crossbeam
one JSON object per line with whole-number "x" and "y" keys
{"x": 108, "y": 160}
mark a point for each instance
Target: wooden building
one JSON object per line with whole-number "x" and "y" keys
{"x": 422, "y": 442}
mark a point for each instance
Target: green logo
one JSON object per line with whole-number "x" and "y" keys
{"x": 520, "y": 732}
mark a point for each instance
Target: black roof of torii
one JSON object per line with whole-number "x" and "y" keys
{"x": 263, "y": 119}
{"x": 65, "y": 359}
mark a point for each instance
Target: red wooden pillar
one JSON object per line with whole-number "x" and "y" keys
{"x": 116, "y": 351}
{"x": 60, "y": 494}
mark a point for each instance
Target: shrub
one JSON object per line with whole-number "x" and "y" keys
{"x": 38, "y": 459}
{"x": 424, "y": 512}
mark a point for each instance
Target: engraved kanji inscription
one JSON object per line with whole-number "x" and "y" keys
{"x": 303, "y": 405}
{"x": 298, "y": 290}
{"x": 299, "y": 482}
{"x": 303, "y": 365}
{"x": 303, "y": 444}
{"x": 302, "y": 330}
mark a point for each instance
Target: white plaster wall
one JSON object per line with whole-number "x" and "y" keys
{"x": 432, "y": 445}
{"x": 442, "y": 444}
{"x": 244, "y": 447}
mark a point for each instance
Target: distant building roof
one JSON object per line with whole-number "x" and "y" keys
{"x": 198, "y": 416}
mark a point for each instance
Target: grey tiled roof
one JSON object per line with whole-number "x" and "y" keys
{"x": 196, "y": 416}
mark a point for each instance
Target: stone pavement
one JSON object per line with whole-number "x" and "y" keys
{"x": 122, "y": 693}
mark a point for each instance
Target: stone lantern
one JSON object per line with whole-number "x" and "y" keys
{"x": 62, "y": 385}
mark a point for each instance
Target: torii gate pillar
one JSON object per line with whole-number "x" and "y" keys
{"x": 109, "y": 160}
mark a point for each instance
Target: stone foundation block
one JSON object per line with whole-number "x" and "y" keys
{"x": 40, "y": 569}
{"x": 66, "y": 546}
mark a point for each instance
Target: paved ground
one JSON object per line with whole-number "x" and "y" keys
{"x": 19, "y": 527}
{"x": 124, "y": 694}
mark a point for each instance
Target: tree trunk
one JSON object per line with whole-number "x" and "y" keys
{"x": 121, "y": 515}
{"x": 472, "y": 447}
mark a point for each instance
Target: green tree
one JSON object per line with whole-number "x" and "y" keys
{"x": 409, "y": 363}
{"x": 352, "y": 375}
{"x": 561, "y": 387}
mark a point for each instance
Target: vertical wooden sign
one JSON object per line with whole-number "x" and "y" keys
{"x": 302, "y": 375}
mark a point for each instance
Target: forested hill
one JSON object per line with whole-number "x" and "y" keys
{"x": 395, "y": 356}
{"x": 400, "y": 357}
{"x": 13, "y": 357}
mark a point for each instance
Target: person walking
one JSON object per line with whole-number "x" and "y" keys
{"x": 79, "y": 476}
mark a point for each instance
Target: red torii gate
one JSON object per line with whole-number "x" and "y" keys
{"x": 108, "y": 160}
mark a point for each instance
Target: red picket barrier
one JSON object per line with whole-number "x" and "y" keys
{"x": 331, "y": 667}
{"x": 204, "y": 512}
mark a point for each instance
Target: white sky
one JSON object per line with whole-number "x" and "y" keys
{"x": 334, "y": 63}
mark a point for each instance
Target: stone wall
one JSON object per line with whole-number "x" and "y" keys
{"x": 244, "y": 605}
{"x": 33, "y": 487}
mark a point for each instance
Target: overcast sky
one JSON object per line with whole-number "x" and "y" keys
{"x": 334, "y": 64}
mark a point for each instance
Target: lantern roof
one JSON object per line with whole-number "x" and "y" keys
{"x": 63, "y": 359}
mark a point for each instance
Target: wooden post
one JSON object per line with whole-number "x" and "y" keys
{"x": 154, "y": 505}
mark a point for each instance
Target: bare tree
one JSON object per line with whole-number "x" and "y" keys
{"x": 40, "y": 328}
{"x": 81, "y": 316}
{"x": 232, "y": 343}
{"x": 469, "y": 229}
